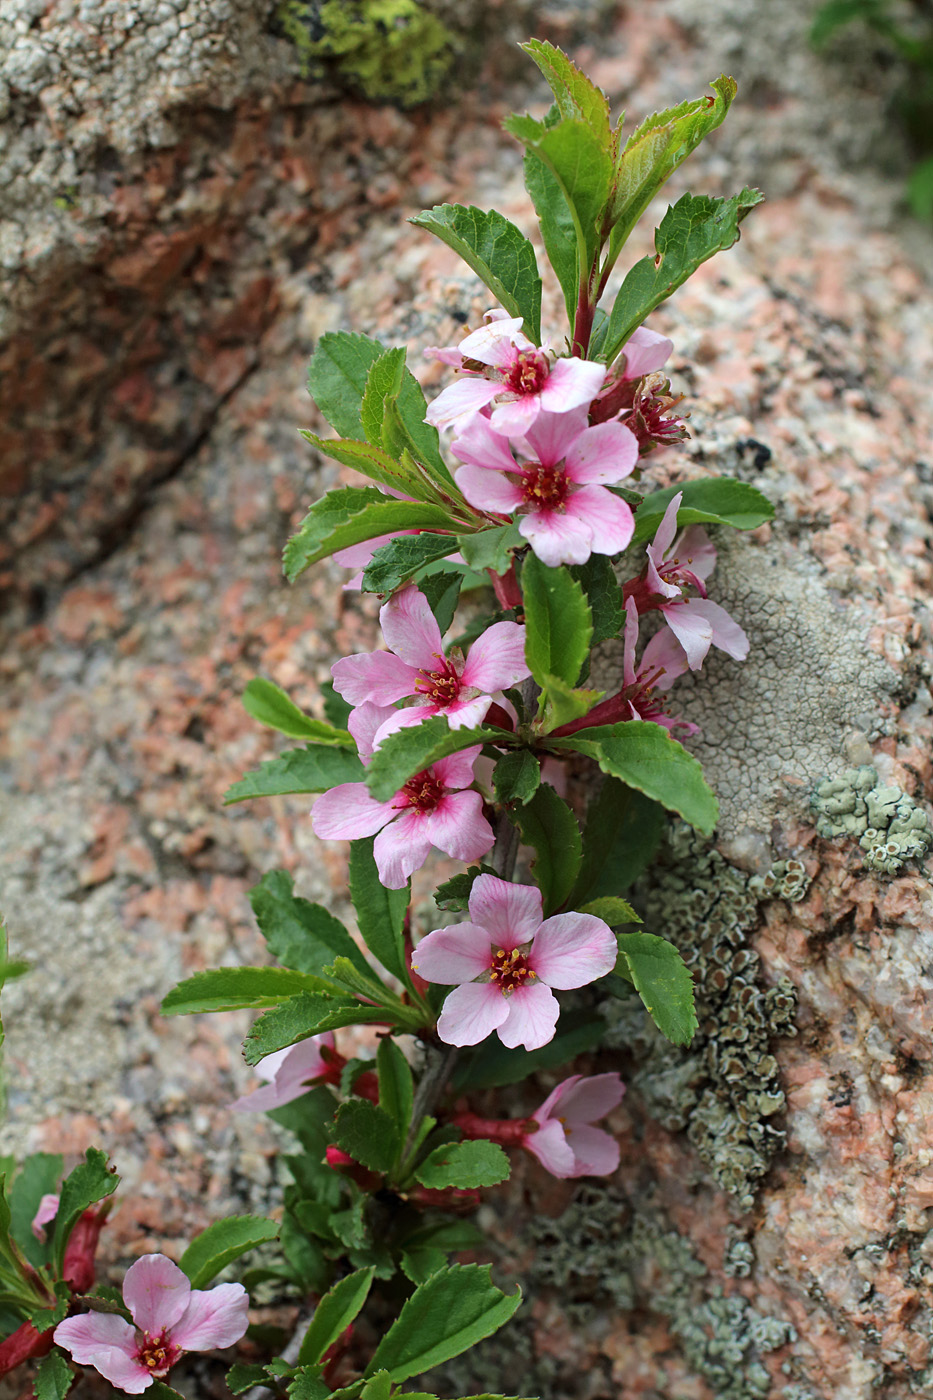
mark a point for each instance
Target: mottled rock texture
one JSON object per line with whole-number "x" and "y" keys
{"x": 769, "y": 1231}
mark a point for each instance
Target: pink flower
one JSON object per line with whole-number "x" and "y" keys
{"x": 415, "y": 667}
{"x": 505, "y": 367}
{"x": 567, "y": 514}
{"x": 430, "y": 810}
{"x": 645, "y": 351}
{"x": 505, "y": 962}
{"x": 662, "y": 661}
{"x": 289, "y": 1073}
{"x": 566, "y": 1141}
{"x": 48, "y": 1209}
{"x": 171, "y": 1318}
{"x": 697, "y": 623}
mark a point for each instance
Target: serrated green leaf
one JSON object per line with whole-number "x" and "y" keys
{"x": 44, "y": 1319}
{"x": 237, "y": 989}
{"x": 244, "y": 1375}
{"x": 463, "y": 1165}
{"x": 398, "y": 561}
{"x": 547, "y": 824}
{"x": 492, "y": 1065}
{"x": 372, "y": 461}
{"x": 221, "y": 1243}
{"x": 654, "y": 151}
{"x": 53, "y": 1377}
{"x": 90, "y": 1181}
{"x": 337, "y": 378}
{"x": 718, "y": 500}
{"x": 454, "y": 894}
{"x": 623, "y": 831}
{"x": 368, "y": 1134}
{"x": 452, "y": 1311}
{"x": 366, "y": 985}
{"x": 692, "y": 230}
{"x": 604, "y": 595}
{"x": 517, "y": 776}
{"x": 379, "y": 1388}
{"x": 38, "y": 1176}
{"x": 380, "y": 912}
{"x": 313, "y": 769}
{"x": 576, "y": 96}
{"x": 644, "y": 756}
{"x": 299, "y": 934}
{"x": 396, "y": 1085}
{"x": 497, "y": 252}
{"x": 662, "y": 980}
{"x": 413, "y": 750}
{"x": 351, "y": 515}
{"x": 442, "y": 591}
{"x": 611, "y": 909}
{"x": 383, "y": 384}
{"x": 555, "y": 220}
{"x": 336, "y": 710}
{"x": 306, "y": 1384}
{"x": 558, "y": 622}
{"x": 334, "y": 1313}
{"x": 491, "y": 549}
{"x": 271, "y": 706}
{"x": 307, "y": 1014}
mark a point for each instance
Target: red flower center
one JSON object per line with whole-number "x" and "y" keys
{"x": 441, "y": 687}
{"x": 528, "y": 372}
{"x": 510, "y": 971}
{"x": 423, "y": 792}
{"x": 544, "y": 488}
{"x": 157, "y": 1354}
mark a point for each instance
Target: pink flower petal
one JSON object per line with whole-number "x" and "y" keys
{"x": 410, "y": 629}
{"x": 156, "y": 1292}
{"x": 48, "y": 1209}
{"x": 496, "y": 660}
{"x": 461, "y": 400}
{"x": 571, "y": 384}
{"x": 488, "y": 490}
{"x": 458, "y": 828}
{"x": 691, "y": 628}
{"x": 546, "y": 1110}
{"x": 663, "y": 539}
{"x": 215, "y": 1317}
{"x": 533, "y": 1013}
{"x": 603, "y": 454}
{"x": 402, "y": 719}
{"x": 456, "y": 770}
{"x": 571, "y": 950}
{"x": 348, "y": 812}
{"x": 630, "y": 635}
{"x": 287, "y": 1071}
{"x": 595, "y": 1152}
{"x": 453, "y": 955}
{"x": 557, "y": 539}
{"x": 549, "y": 1144}
{"x": 448, "y": 354}
{"x": 496, "y": 342}
{"x": 664, "y": 651}
{"x": 511, "y": 913}
{"x": 610, "y": 520}
{"x": 696, "y": 550}
{"x": 467, "y": 714}
{"x": 727, "y": 634}
{"x": 357, "y": 556}
{"x": 515, "y": 417}
{"x": 376, "y": 677}
{"x": 365, "y": 723}
{"x": 471, "y": 1013}
{"x": 400, "y": 849}
{"x": 645, "y": 351}
{"x": 108, "y": 1343}
{"x": 553, "y": 435}
{"x": 591, "y": 1098}
{"x": 479, "y": 446}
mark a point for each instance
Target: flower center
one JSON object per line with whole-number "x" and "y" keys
{"x": 510, "y": 971}
{"x": 528, "y": 372}
{"x": 544, "y": 488}
{"x": 423, "y": 792}
{"x": 157, "y": 1354}
{"x": 441, "y": 687}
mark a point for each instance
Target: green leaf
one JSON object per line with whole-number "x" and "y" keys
{"x": 299, "y": 934}
{"x": 352, "y": 514}
{"x": 382, "y": 386}
{"x": 237, "y": 989}
{"x": 368, "y": 1134}
{"x": 373, "y": 461}
{"x": 366, "y": 985}
{"x": 159, "y": 1390}
{"x": 221, "y": 1243}
{"x": 454, "y": 894}
{"x": 662, "y": 980}
{"x": 39, "y": 1176}
{"x": 718, "y": 500}
{"x": 89, "y": 1183}
{"x": 379, "y": 1388}
{"x": 558, "y": 622}
{"x": 337, "y": 378}
{"x": 53, "y": 1377}
{"x": 558, "y": 231}
{"x": 271, "y": 706}
{"x": 517, "y": 776}
{"x": 463, "y": 1165}
{"x": 306, "y": 1384}
{"x": 334, "y": 1313}
{"x": 309, "y": 1013}
{"x": 497, "y": 252}
{"x": 560, "y": 703}
{"x": 313, "y": 769}
{"x": 611, "y": 909}
{"x": 576, "y": 96}
{"x": 442, "y": 591}
{"x": 492, "y": 1065}
{"x": 243, "y": 1375}
{"x": 692, "y": 230}
{"x": 547, "y": 824}
{"x": 396, "y": 562}
{"x": 380, "y": 912}
{"x": 452, "y": 1311}
{"x": 623, "y": 831}
{"x": 655, "y": 150}
{"x": 604, "y": 595}
{"x": 491, "y": 549}
{"x": 644, "y": 756}
{"x": 396, "y": 1085}
{"x": 413, "y": 750}
{"x": 337, "y": 710}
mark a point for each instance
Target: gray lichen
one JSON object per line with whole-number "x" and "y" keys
{"x": 724, "y": 1089}
{"x": 888, "y": 825}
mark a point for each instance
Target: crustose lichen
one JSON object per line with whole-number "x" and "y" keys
{"x": 888, "y": 825}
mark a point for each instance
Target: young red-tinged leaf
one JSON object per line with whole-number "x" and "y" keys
{"x": 463, "y": 1165}
{"x": 221, "y": 1243}
{"x": 663, "y": 981}
{"x": 334, "y": 1313}
{"x": 547, "y": 824}
{"x": 271, "y": 706}
{"x": 558, "y": 622}
{"x": 313, "y": 769}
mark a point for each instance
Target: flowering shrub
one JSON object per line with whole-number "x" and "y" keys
{"x": 539, "y": 495}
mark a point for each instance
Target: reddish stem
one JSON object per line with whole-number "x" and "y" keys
{"x": 609, "y": 711}
{"x": 583, "y": 323}
{"x": 508, "y": 593}
{"x": 510, "y": 1132}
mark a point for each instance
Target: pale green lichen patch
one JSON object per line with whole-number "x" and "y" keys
{"x": 888, "y": 825}
{"x": 387, "y": 50}
{"x": 723, "y": 1089}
